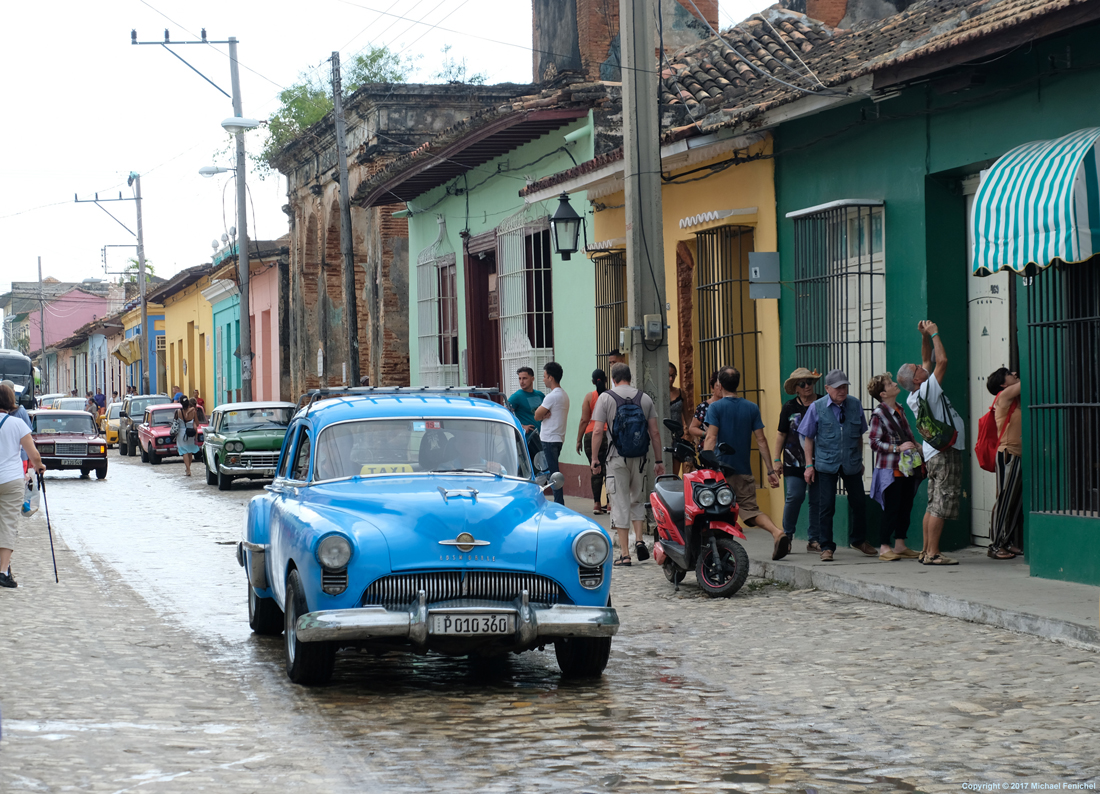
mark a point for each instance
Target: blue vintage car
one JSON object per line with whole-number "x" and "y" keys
{"x": 415, "y": 520}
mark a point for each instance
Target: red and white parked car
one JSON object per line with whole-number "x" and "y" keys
{"x": 155, "y": 433}
{"x": 69, "y": 440}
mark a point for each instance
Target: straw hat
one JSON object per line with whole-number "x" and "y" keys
{"x": 799, "y": 374}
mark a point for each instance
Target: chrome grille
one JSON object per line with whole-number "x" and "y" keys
{"x": 334, "y": 582}
{"x": 71, "y": 449}
{"x": 399, "y": 590}
{"x": 260, "y": 460}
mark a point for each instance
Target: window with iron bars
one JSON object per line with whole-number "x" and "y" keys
{"x": 526, "y": 299}
{"x": 725, "y": 314}
{"x": 1063, "y": 307}
{"x": 437, "y": 319}
{"x": 610, "y": 304}
{"x": 840, "y": 297}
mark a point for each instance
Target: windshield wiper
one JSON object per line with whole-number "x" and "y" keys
{"x": 471, "y": 471}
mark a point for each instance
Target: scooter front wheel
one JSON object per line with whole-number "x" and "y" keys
{"x": 672, "y": 573}
{"x": 721, "y": 580}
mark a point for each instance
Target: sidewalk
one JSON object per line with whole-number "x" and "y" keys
{"x": 979, "y": 589}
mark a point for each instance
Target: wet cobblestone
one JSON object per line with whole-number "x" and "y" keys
{"x": 138, "y": 673}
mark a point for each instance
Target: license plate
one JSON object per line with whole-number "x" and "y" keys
{"x": 473, "y": 624}
{"x": 72, "y": 462}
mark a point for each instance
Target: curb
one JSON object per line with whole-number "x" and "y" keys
{"x": 1062, "y": 631}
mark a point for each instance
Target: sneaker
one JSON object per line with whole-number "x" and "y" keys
{"x": 939, "y": 559}
{"x": 6, "y": 580}
{"x": 866, "y": 548}
{"x": 813, "y": 545}
{"x": 827, "y": 555}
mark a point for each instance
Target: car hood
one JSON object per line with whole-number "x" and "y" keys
{"x": 414, "y": 517}
{"x": 64, "y": 438}
{"x": 258, "y": 440}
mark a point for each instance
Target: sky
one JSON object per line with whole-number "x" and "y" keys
{"x": 85, "y": 108}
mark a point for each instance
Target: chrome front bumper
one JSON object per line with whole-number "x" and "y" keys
{"x": 256, "y": 471}
{"x": 532, "y": 622}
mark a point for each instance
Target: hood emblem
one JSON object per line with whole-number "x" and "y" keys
{"x": 465, "y": 542}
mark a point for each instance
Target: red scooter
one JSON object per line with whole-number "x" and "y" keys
{"x": 697, "y": 522}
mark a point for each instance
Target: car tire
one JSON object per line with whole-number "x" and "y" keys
{"x": 211, "y": 477}
{"x": 130, "y": 448}
{"x": 101, "y": 473}
{"x": 308, "y": 663}
{"x": 154, "y": 458}
{"x": 122, "y": 453}
{"x": 710, "y": 580}
{"x": 225, "y": 482}
{"x": 264, "y": 615}
{"x": 144, "y": 455}
{"x": 582, "y": 657}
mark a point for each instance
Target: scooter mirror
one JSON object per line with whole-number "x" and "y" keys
{"x": 709, "y": 459}
{"x": 725, "y": 448}
{"x": 676, "y": 427}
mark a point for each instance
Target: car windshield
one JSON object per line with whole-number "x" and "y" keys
{"x": 64, "y": 424}
{"x": 162, "y": 418}
{"x": 71, "y": 404}
{"x": 274, "y": 418}
{"x": 400, "y": 446}
{"x": 113, "y": 409}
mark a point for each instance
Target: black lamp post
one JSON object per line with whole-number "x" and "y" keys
{"x": 565, "y": 227}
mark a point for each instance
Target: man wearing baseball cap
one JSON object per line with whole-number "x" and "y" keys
{"x": 832, "y": 442}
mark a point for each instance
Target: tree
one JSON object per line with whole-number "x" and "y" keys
{"x": 453, "y": 71}
{"x": 308, "y": 100}
{"x": 130, "y": 272}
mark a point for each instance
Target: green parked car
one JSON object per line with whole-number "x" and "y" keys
{"x": 244, "y": 440}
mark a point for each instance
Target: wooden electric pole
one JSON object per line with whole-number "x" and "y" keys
{"x": 351, "y": 315}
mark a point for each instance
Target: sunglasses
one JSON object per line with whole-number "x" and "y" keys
{"x": 802, "y": 384}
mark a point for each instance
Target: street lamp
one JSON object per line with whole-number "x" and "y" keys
{"x": 565, "y": 227}
{"x": 235, "y": 125}
{"x": 209, "y": 170}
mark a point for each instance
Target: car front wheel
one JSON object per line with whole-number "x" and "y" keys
{"x": 306, "y": 662}
{"x": 130, "y": 447}
{"x": 582, "y": 657}
{"x": 144, "y": 455}
{"x": 225, "y": 482}
{"x": 211, "y": 477}
{"x": 154, "y": 458}
{"x": 264, "y": 615}
{"x": 101, "y": 472}
{"x": 121, "y": 449}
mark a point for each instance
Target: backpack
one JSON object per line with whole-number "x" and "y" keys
{"x": 988, "y": 437}
{"x": 939, "y": 435}
{"x": 630, "y": 430}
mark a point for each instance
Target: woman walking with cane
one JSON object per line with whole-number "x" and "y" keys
{"x": 189, "y": 415}
{"x": 15, "y": 435}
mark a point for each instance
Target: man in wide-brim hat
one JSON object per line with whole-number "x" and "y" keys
{"x": 791, "y": 458}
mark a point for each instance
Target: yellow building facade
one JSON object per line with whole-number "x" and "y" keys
{"x": 188, "y": 335}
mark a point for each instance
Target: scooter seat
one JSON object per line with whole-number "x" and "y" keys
{"x": 672, "y": 494}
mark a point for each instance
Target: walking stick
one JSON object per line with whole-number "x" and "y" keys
{"x": 42, "y": 487}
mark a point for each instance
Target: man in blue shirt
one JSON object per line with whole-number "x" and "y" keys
{"x": 833, "y": 428}
{"x": 526, "y": 399}
{"x": 735, "y": 421}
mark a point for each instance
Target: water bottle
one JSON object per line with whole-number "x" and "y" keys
{"x": 31, "y": 498}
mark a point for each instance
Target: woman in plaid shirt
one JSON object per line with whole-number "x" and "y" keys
{"x": 890, "y": 436}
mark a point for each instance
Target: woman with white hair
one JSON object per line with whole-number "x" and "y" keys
{"x": 15, "y": 436}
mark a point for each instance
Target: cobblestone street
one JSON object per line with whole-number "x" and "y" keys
{"x": 138, "y": 673}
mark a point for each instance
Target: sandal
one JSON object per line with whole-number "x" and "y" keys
{"x": 999, "y": 554}
{"x": 641, "y": 550}
{"x": 621, "y": 562}
{"x": 939, "y": 559}
{"x": 782, "y": 547}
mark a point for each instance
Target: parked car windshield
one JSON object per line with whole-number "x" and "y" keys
{"x": 71, "y": 404}
{"x": 274, "y": 418}
{"x": 401, "y": 446}
{"x": 138, "y": 406}
{"x": 113, "y": 409}
{"x": 161, "y": 418}
{"x": 64, "y": 424}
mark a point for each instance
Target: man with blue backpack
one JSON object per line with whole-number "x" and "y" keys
{"x": 632, "y": 420}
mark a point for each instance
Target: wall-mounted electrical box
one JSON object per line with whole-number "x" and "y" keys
{"x": 764, "y": 275}
{"x": 654, "y": 327}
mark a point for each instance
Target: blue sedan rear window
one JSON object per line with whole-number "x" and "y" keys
{"x": 374, "y": 447}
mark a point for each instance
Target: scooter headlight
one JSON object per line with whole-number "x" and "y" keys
{"x": 725, "y": 497}
{"x": 591, "y": 549}
{"x": 706, "y": 497}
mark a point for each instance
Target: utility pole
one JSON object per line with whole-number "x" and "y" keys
{"x": 351, "y": 316}
{"x": 648, "y": 345}
{"x": 145, "y": 335}
{"x": 42, "y": 327}
{"x": 242, "y": 230}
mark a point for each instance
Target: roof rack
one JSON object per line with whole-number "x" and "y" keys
{"x": 315, "y": 394}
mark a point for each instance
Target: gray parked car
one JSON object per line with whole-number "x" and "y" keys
{"x": 133, "y": 410}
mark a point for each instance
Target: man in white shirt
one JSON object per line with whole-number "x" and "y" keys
{"x": 925, "y": 382}
{"x": 554, "y": 415}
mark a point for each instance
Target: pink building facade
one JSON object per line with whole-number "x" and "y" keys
{"x": 64, "y": 314}
{"x": 264, "y": 313}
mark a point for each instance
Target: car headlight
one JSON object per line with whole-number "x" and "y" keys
{"x": 591, "y": 548}
{"x": 235, "y": 446}
{"x": 45, "y": 449}
{"x": 706, "y": 497}
{"x": 334, "y": 552}
{"x": 725, "y": 497}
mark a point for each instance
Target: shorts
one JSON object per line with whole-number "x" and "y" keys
{"x": 625, "y": 484}
{"x": 945, "y": 484}
{"x": 744, "y": 488}
{"x": 11, "y": 512}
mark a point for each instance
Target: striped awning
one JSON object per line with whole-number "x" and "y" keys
{"x": 1039, "y": 203}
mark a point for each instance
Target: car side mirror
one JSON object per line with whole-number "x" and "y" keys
{"x": 541, "y": 464}
{"x": 122, "y": 414}
{"x": 553, "y": 481}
